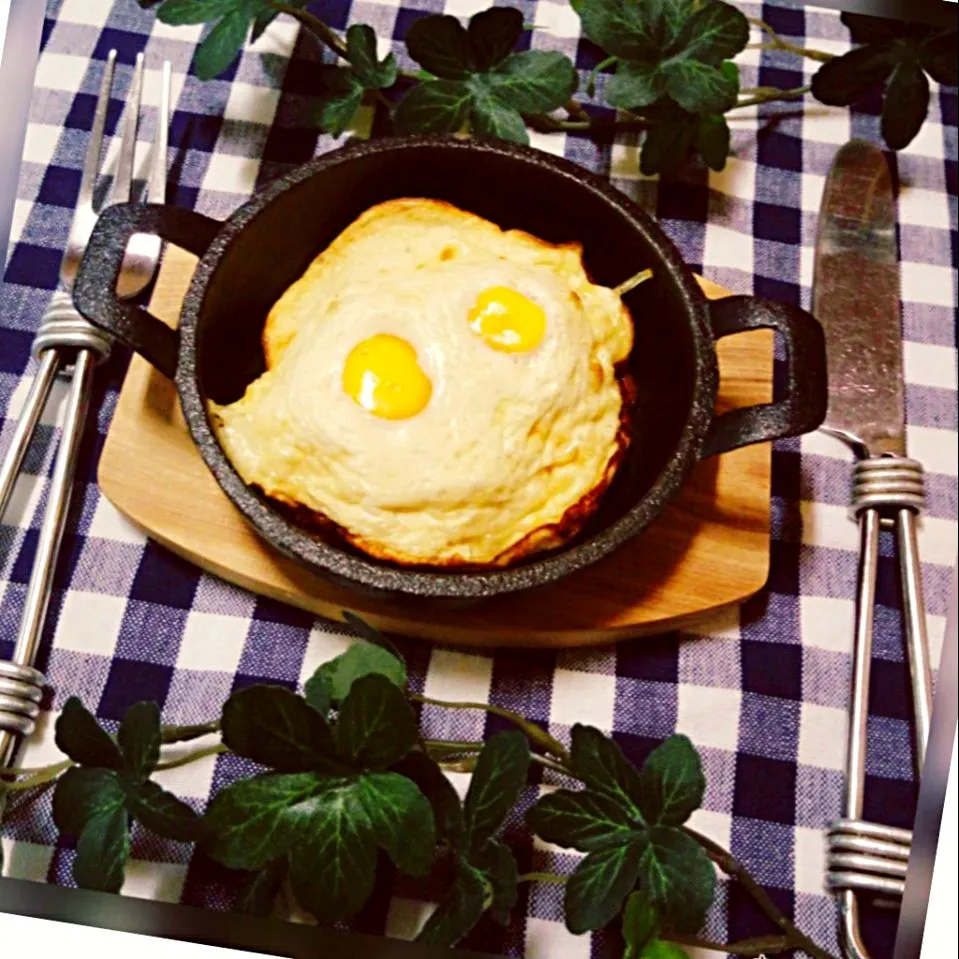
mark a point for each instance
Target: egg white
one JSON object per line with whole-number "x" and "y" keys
{"x": 508, "y": 442}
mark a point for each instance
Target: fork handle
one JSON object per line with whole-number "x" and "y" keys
{"x": 62, "y": 330}
{"x": 27, "y": 424}
{"x": 53, "y": 526}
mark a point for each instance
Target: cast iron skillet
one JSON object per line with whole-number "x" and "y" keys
{"x": 248, "y": 261}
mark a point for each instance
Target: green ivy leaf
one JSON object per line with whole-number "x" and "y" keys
{"x": 499, "y": 865}
{"x": 162, "y": 813}
{"x": 491, "y": 36}
{"x": 601, "y": 765}
{"x": 91, "y": 805}
{"x": 843, "y": 80}
{"x": 906, "y": 104}
{"x": 316, "y": 690}
{"x": 678, "y": 877}
{"x": 673, "y": 48}
{"x": 487, "y": 875}
{"x": 499, "y": 777}
{"x": 369, "y": 70}
{"x": 333, "y": 859}
{"x": 635, "y": 85}
{"x": 623, "y": 28}
{"x": 435, "y": 106}
{"x": 78, "y": 735}
{"x": 535, "y": 81}
{"x": 483, "y": 82}
{"x": 717, "y": 31}
{"x": 361, "y": 627}
{"x": 258, "y": 897}
{"x": 460, "y": 911}
{"x": 81, "y": 793}
{"x": 401, "y": 820}
{"x": 139, "y": 740}
{"x": 712, "y": 141}
{"x": 699, "y": 87}
{"x": 445, "y": 801}
{"x": 671, "y": 783}
{"x": 376, "y": 727}
{"x": 675, "y": 14}
{"x": 328, "y": 820}
{"x": 640, "y": 925}
{"x": 939, "y": 56}
{"x": 222, "y": 45}
{"x": 492, "y": 119}
{"x": 190, "y": 12}
{"x": 440, "y": 44}
{"x": 340, "y": 98}
{"x": 667, "y": 145}
{"x": 600, "y": 884}
{"x": 103, "y": 845}
{"x": 897, "y": 56}
{"x": 359, "y": 660}
{"x": 661, "y": 949}
{"x": 266, "y": 14}
{"x": 253, "y": 821}
{"x": 275, "y": 727}
{"x": 261, "y": 22}
{"x": 95, "y": 802}
{"x": 617, "y": 820}
{"x": 586, "y": 820}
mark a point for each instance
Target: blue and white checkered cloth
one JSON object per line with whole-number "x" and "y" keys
{"x": 762, "y": 692}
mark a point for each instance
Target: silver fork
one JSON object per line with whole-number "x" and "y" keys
{"x": 65, "y": 341}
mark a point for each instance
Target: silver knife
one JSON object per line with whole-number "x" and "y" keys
{"x": 856, "y": 298}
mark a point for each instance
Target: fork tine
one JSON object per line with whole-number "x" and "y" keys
{"x": 123, "y": 181}
{"x": 158, "y": 175}
{"x": 91, "y": 163}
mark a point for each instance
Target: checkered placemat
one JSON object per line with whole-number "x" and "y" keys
{"x": 762, "y": 692}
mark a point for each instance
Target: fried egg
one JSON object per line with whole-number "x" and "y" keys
{"x": 443, "y": 391}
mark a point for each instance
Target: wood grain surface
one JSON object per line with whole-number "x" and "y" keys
{"x": 708, "y": 551}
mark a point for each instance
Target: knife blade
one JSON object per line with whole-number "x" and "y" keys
{"x": 856, "y": 298}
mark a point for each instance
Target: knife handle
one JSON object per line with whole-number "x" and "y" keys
{"x": 893, "y": 487}
{"x": 861, "y": 662}
{"x": 914, "y": 617}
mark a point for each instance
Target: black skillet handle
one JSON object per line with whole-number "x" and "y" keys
{"x": 804, "y": 406}
{"x": 94, "y": 290}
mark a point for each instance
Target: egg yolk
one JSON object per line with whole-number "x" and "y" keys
{"x": 383, "y": 376}
{"x": 507, "y": 320}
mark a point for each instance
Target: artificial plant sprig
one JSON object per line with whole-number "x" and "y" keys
{"x": 347, "y": 782}
{"x": 668, "y": 70}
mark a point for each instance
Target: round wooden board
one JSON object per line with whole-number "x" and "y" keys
{"x": 709, "y": 550}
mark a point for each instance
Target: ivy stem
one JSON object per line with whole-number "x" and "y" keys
{"x": 772, "y": 95}
{"x": 327, "y": 36}
{"x": 776, "y": 42}
{"x": 536, "y": 734}
{"x": 33, "y": 778}
{"x": 736, "y": 870}
{"x": 41, "y": 775}
{"x": 448, "y": 749}
{"x": 193, "y": 757}
{"x": 549, "y": 877}
{"x": 595, "y": 72}
{"x": 182, "y": 734}
{"x": 757, "y": 947}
